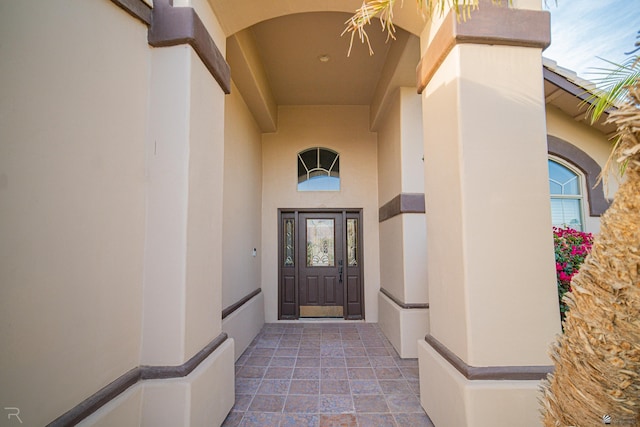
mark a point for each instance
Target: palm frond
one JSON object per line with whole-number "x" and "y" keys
{"x": 383, "y": 9}
{"x": 612, "y": 85}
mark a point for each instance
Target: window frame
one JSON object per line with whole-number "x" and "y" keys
{"x": 582, "y": 189}
{"x": 318, "y": 167}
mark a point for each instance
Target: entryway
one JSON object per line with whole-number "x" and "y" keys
{"x": 320, "y": 264}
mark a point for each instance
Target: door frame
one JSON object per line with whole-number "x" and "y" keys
{"x": 293, "y": 313}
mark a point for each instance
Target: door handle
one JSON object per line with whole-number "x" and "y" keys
{"x": 340, "y": 270}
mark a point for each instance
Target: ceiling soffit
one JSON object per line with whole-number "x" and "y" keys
{"x": 236, "y": 15}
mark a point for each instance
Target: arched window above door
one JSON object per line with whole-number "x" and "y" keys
{"x": 318, "y": 170}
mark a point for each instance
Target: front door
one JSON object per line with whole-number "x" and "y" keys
{"x": 320, "y": 260}
{"x": 320, "y": 265}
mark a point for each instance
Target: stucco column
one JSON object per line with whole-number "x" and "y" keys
{"x": 188, "y": 355}
{"x": 493, "y": 303}
{"x": 402, "y": 301}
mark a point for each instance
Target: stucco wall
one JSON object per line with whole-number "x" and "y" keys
{"x": 73, "y": 102}
{"x": 390, "y": 152}
{"x": 242, "y": 201}
{"x": 344, "y": 129}
{"x": 204, "y": 228}
{"x": 589, "y": 140}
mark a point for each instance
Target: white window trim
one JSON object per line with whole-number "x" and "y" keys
{"x": 583, "y": 188}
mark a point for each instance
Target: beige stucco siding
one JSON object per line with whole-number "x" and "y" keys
{"x": 204, "y": 226}
{"x": 74, "y": 97}
{"x": 590, "y": 141}
{"x": 242, "y": 201}
{"x": 344, "y": 129}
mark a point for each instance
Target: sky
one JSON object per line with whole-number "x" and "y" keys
{"x": 583, "y": 30}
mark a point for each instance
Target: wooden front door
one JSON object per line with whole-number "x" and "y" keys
{"x": 320, "y": 272}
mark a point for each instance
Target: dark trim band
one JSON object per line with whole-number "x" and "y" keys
{"x": 598, "y": 204}
{"x": 401, "y": 304}
{"x": 401, "y": 204}
{"x": 136, "y": 8}
{"x": 489, "y": 25}
{"x": 172, "y": 26}
{"x": 495, "y": 373}
{"x": 233, "y": 307}
{"x": 114, "y": 389}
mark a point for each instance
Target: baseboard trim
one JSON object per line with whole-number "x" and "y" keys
{"x": 495, "y": 373}
{"x": 122, "y": 383}
{"x": 401, "y": 304}
{"x": 235, "y": 306}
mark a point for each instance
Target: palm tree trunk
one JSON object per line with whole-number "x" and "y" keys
{"x": 597, "y": 359}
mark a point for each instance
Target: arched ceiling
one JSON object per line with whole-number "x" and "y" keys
{"x": 301, "y": 59}
{"x": 236, "y": 15}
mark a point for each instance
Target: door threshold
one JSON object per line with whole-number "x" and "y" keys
{"x": 321, "y": 320}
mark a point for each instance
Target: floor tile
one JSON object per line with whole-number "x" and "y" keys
{"x": 361, "y": 373}
{"x": 378, "y": 420}
{"x": 242, "y": 402}
{"x": 333, "y": 362}
{"x": 382, "y": 361}
{"x": 364, "y": 387}
{"x": 274, "y": 387}
{"x": 342, "y": 420}
{"x": 258, "y": 361}
{"x": 275, "y": 373}
{"x": 305, "y": 404}
{"x": 403, "y": 403}
{"x": 325, "y": 375}
{"x": 408, "y": 363}
{"x": 336, "y": 351}
{"x": 370, "y": 403}
{"x": 377, "y": 351}
{"x": 414, "y": 385}
{"x": 267, "y": 403}
{"x": 247, "y": 385}
{"x": 354, "y": 352}
{"x": 233, "y": 419}
{"x": 304, "y": 387}
{"x": 251, "y": 372}
{"x": 353, "y": 344}
{"x": 410, "y": 373}
{"x": 308, "y": 362}
{"x": 306, "y": 373}
{"x": 309, "y": 352}
{"x": 390, "y": 373}
{"x": 300, "y": 420}
{"x": 283, "y": 362}
{"x": 358, "y": 362}
{"x": 268, "y": 352}
{"x": 286, "y": 352}
{"x": 333, "y": 373}
{"x": 334, "y": 387}
{"x": 413, "y": 420}
{"x": 260, "y": 419}
{"x": 395, "y": 386}
{"x": 335, "y": 404}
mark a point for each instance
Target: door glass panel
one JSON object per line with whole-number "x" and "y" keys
{"x": 289, "y": 242}
{"x": 352, "y": 242}
{"x": 320, "y": 243}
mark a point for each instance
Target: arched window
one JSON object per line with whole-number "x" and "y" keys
{"x": 318, "y": 170}
{"x": 565, "y": 186}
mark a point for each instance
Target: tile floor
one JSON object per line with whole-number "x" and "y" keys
{"x": 325, "y": 375}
